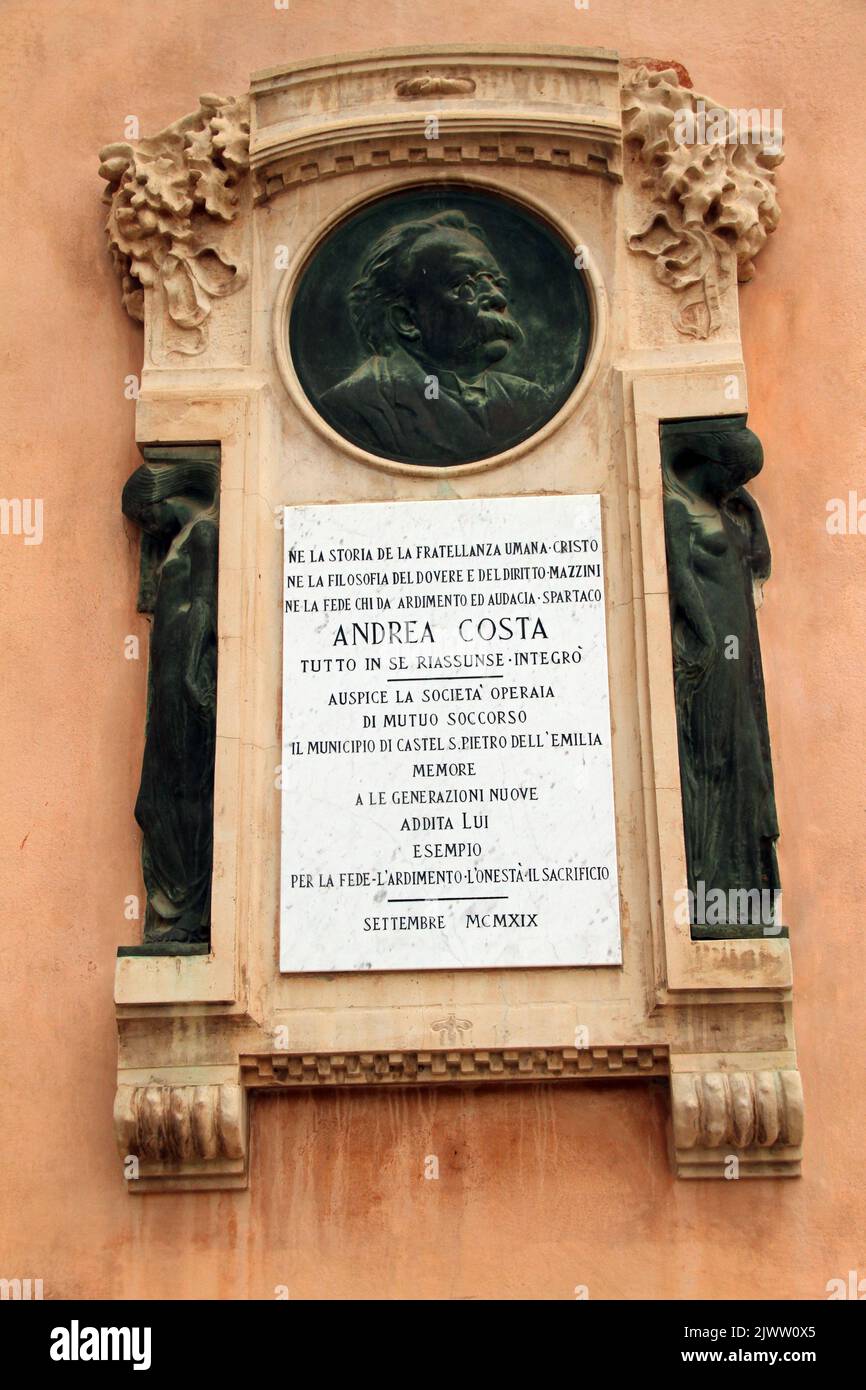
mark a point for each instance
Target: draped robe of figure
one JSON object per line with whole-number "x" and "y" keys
{"x": 175, "y": 800}
{"x": 717, "y": 549}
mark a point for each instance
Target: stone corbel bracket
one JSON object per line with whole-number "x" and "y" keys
{"x": 175, "y": 1138}
{"x": 710, "y": 176}
{"x": 168, "y": 195}
{"x": 733, "y": 1123}
{"x": 435, "y": 109}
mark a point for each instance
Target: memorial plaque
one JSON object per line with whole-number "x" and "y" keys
{"x": 446, "y": 774}
{"x": 447, "y": 797}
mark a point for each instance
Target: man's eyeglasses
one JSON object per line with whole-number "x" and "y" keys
{"x": 470, "y": 287}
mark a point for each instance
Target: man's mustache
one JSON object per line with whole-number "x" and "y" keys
{"x": 491, "y": 324}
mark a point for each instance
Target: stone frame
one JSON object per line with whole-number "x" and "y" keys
{"x": 198, "y": 1035}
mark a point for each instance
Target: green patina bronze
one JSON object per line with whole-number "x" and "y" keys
{"x": 716, "y": 550}
{"x": 174, "y": 498}
{"x": 440, "y": 326}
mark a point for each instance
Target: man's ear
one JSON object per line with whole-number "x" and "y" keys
{"x": 402, "y": 322}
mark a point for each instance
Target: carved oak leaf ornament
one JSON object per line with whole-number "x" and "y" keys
{"x": 714, "y": 204}
{"x": 160, "y": 192}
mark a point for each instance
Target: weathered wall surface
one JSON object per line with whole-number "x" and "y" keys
{"x": 539, "y": 1190}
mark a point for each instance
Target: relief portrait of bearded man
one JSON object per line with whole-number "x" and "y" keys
{"x": 431, "y": 308}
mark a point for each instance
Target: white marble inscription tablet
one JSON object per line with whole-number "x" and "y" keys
{"x": 447, "y": 795}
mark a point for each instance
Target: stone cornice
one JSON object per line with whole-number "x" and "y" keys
{"x": 558, "y": 107}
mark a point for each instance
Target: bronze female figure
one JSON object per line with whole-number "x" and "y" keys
{"x": 716, "y": 551}
{"x": 175, "y": 504}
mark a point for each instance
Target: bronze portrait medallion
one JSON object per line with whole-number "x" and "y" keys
{"x": 440, "y": 326}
